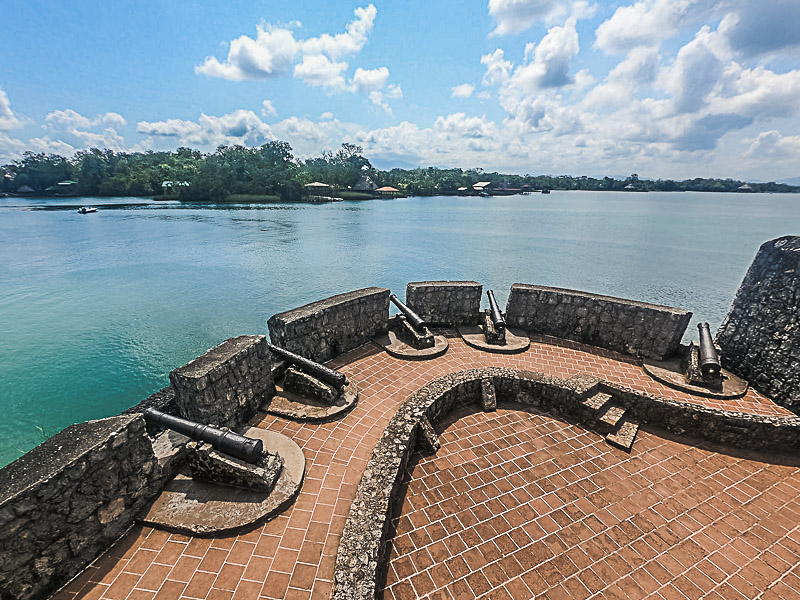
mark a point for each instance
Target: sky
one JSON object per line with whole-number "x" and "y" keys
{"x": 663, "y": 88}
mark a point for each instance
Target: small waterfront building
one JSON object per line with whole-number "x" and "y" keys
{"x": 744, "y": 188}
{"x": 317, "y": 186}
{"x": 483, "y": 186}
{"x": 388, "y": 192}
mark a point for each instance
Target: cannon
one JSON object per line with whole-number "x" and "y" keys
{"x": 238, "y": 446}
{"x": 321, "y": 372}
{"x": 709, "y": 359}
{"x": 416, "y": 321}
{"x": 497, "y": 317}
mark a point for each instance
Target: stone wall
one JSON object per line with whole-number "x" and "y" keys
{"x": 329, "y": 327}
{"x": 226, "y": 385}
{"x": 446, "y": 302}
{"x": 760, "y": 337}
{"x": 626, "y": 326}
{"x": 67, "y": 500}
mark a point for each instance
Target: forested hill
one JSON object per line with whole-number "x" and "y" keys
{"x": 272, "y": 171}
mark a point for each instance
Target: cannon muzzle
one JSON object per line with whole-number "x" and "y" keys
{"x": 336, "y": 379}
{"x": 239, "y": 446}
{"x": 416, "y": 321}
{"x": 497, "y": 317}
{"x": 709, "y": 359}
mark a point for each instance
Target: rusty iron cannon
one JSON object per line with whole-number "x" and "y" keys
{"x": 709, "y": 358}
{"x": 229, "y": 442}
{"x": 497, "y": 317}
{"x": 321, "y": 372}
{"x": 414, "y": 319}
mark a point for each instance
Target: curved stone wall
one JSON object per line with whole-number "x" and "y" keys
{"x": 360, "y": 555}
{"x": 760, "y": 337}
{"x": 627, "y": 326}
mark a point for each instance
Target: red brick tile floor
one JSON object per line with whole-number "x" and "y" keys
{"x": 292, "y": 556}
{"x": 517, "y": 504}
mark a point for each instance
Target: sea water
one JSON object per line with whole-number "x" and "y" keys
{"x": 96, "y": 309}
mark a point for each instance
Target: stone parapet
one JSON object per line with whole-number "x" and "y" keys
{"x": 326, "y": 328}
{"x": 70, "y": 498}
{"x": 449, "y": 303}
{"x": 226, "y": 385}
{"x": 760, "y": 337}
{"x": 627, "y": 326}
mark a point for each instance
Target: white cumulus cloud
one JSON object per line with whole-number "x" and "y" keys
{"x": 515, "y": 16}
{"x": 8, "y": 118}
{"x": 351, "y": 41}
{"x": 370, "y": 80}
{"x": 238, "y": 127}
{"x": 81, "y": 132}
{"x": 318, "y": 70}
{"x": 648, "y": 23}
{"x": 272, "y": 53}
{"x": 462, "y": 91}
{"x": 267, "y": 109}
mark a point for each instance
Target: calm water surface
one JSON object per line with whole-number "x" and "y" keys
{"x": 96, "y": 309}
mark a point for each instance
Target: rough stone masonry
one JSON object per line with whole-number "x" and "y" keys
{"x": 226, "y": 385}
{"x": 760, "y": 337}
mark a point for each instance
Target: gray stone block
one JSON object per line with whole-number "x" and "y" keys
{"x": 760, "y": 337}
{"x": 449, "y": 303}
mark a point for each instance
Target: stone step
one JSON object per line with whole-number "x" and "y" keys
{"x": 612, "y": 415}
{"x": 624, "y": 436}
{"x": 596, "y": 401}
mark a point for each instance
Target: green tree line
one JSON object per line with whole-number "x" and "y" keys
{"x": 272, "y": 171}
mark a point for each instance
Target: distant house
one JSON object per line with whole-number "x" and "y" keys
{"x": 25, "y": 189}
{"x": 463, "y": 190}
{"x": 316, "y": 186}
{"x": 388, "y": 192}
{"x": 483, "y": 186}
{"x": 365, "y": 184}
{"x": 744, "y": 188}
{"x": 630, "y": 187}
{"x": 316, "y": 191}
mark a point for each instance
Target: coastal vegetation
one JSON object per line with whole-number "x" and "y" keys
{"x": 271, "y": 172}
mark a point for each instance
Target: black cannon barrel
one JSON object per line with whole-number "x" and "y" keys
{"x": 314, "y": 369}
{"x": 709, "y": 359}
{"x": 416, "y": 321}
{"x": 497, "y": 316}
{"x": 239, "y": 446}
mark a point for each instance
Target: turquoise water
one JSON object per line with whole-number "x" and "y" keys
{"x": 96, "y": 309}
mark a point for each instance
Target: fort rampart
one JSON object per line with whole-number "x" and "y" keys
{"x": 626, "y": 326}
{"x": 68, "y": 499}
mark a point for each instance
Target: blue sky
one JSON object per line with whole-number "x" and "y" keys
{"x": 664, "y": 88}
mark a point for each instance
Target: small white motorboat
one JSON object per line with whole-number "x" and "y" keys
{"x": 87, "y": 209}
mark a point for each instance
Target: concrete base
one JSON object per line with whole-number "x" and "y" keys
{"x": 399, "y": 349}
{"x": 208, "y": 509}
{"x": 303, "y": 408}
{"x": 670, "y": 372}
{"x": 516, "y": 340}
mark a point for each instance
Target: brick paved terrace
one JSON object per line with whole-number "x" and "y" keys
{"x": 516, "y": 503}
